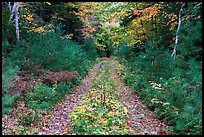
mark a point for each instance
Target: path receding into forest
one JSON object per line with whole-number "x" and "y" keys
{"x": 102, "y": 104}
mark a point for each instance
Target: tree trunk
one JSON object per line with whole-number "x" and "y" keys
{"x": 9, "y": 4}
{"x": 14, "y": 10}
{"x": 16, "y": 17}
{"x": 179, "y": 25}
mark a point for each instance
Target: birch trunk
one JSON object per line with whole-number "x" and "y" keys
{"x": 9, "y": 4}
{"x": 16, "y": 18}
{"x": 14, "y": 10}
{"x": 179, "y": 25}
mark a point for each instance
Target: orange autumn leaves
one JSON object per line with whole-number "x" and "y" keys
{"x": 147, "y": 12}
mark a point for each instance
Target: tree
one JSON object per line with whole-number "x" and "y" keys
{"x": 179, "y": 25}
{"x": 14, "y": 11}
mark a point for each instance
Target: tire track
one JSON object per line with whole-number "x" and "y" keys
{"x": 57, "y": 123}
{"x": 141, "y": 117}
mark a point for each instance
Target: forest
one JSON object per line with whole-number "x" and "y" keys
{"x": 101, "y": 68}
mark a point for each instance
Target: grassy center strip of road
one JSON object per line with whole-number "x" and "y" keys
{"x": 100, "y": 111}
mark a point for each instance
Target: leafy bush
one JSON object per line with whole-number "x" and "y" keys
{"x": 5, "y": 47}
{"x": 27, "y": 117}
{"x": 36, "y": 99}
{"x": 44, "y": 105}
{"x": 52, "y": 52}
{"x": 124, "y": 51}
{"x": 176, "y": 97}
{"x": 89, "y": 47}
{"x": 171, "y": 89}
{"x": 8, "y": 102}
{"x": 43, "y": 96}
{"x": 8, "y": 72}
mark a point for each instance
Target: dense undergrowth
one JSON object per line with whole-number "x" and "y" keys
{"x": 47, "y": 52}
{"x": 172, "y": 89}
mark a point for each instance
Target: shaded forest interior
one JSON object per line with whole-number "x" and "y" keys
{"x": 49, "y": 47}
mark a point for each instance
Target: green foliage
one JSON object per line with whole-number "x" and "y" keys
{"x": 8, "y": 102}
{"x": 43, "y": 96}
{"x": 127, "y": 52}
{"x": 56, "y": 12}
{"x": 27, "y": 117}
{"x": 53, "y": 53}
{"x": 6, "y": 48}
{"x": 172, "y": 89}
{"x": 101, "y": 113}
{"x": 169, "y": 88}
{"x": 8, "y": 29}
{"x": 64, "y": 87}
{"x": 8, "y": 72}
{"x": 44, "y": 105}
{"x": 191, "y": 41}
{"x": 39, "y": 97}
{"x": 20, "y": 129}
{"x": 89, "y": 47}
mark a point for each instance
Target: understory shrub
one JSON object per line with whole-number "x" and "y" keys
{"x": 43, "y": 96}
{"x": 8, "y": 73}
{"x": 52, "y": 52}
{"x": 172, "y": 89}
{"x": 48, "y": 52}
{"x": 8, "y": 102}
{"x": 40, "y": 94}
{"x": 90, "y": 48}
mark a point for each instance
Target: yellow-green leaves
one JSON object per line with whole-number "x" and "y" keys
{"x": 73, "y": 117}
{"x": 100, "y": 111}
